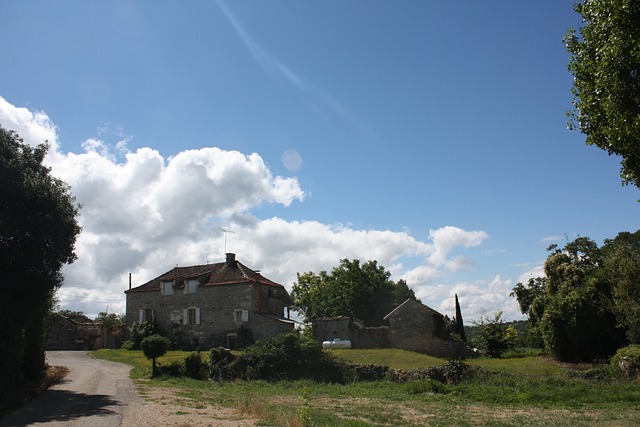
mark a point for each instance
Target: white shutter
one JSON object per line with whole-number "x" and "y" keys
{"x": 245, "y": 315}
{"x": 197, "y": 315}
{"x": 140, "y": 316}
{"x": 185, "y": 316}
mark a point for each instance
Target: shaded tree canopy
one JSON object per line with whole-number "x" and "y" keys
{"x": 360, "y": 291}
{"x": 38, "y": 230}
{"x": 605, "y": 63}
{"x": 621, "y": 266}
{"x": 589, "y": 298}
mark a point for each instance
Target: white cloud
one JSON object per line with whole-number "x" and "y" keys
{"x": 446, "y": 238}
{"x": 145, "y": 213}
{"x": 537, "y": 271}
{"x": 482, "y": 298}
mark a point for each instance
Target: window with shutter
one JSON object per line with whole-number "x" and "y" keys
{"x": 167, "y": 288}
{"x": 191, "y": 316}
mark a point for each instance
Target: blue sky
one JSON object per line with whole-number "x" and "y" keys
{"x": 428, "y": 135}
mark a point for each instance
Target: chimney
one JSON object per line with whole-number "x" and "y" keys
{"x": 231, "y": 260}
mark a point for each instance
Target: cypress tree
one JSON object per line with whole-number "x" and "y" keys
{"x": 459, "y": 322}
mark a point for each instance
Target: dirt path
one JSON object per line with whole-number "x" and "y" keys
{"x": 101, "y": 394}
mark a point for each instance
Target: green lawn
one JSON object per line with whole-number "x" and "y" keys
{"x": 519, "y": 391}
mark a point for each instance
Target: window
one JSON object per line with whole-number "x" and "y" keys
{"x": 240, "y": 316}
{"x": 190, "y": 287}
{"x": 145, "y": 315}
{"x": 191, "y": 316}
{"x": 167, "y": 288}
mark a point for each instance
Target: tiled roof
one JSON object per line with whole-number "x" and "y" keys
{"x": 209, "y": 275}
{"x": 420, "y": 305}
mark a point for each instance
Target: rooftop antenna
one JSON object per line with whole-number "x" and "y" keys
{"x": 225, "y": 238}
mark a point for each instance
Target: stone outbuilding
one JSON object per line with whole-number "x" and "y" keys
{"x": 223, "y": 304}
{"x": 80, "y": 333}
{"x": 412, "y": 326}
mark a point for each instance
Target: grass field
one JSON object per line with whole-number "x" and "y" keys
{"x": 519, "y": 391}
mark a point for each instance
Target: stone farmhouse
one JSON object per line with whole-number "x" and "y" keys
{"x": 412, "y": 326}
{"x": 223, "y": 304}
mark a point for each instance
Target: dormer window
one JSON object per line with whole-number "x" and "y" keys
{"x": 166, "y": 288}
{"x": 190, "y": 286}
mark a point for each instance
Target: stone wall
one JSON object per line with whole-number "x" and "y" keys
{"x": 344, "y": 328}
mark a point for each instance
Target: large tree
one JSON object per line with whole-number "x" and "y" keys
{"x": 605, "y": 63}
{"x": 361, "y": 291}
{"x": 621, "y": 267}
{"x": 573, "y": 306}
{"x": 38, "y": 229}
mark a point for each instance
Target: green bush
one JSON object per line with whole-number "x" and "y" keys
{"x": 128, "y": 345}
{"x": 452, "y": 372}
{"x": 153, "y": 347}
{"x": 598, "y": 373}
{"x": 175, "y": 368}
{"x": 627, "y": 360}
{"x": 137, "y": 332}
{"x": 220, "y": 361}
{"x": 194, "y": 367}
{"x": 288, "y": 356}
{"x": 369, "y": 372}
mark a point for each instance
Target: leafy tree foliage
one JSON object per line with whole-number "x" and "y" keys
{"x": 364, "y": 292}
{"x": 110, "y": 321}
{"x": 574, "y": 306}
{"x": 70, "y": 313}
{"x": 155, "y": 346}
{"x": 286, "y": 356}
{"x": 38, "y": 229}
{"x": 494, "y": 336}
{"x": 605, "y": 63}
{"x": 621, "y": 266}
{"x": 138, "y": 332}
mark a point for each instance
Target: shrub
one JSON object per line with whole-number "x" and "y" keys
{"x": 369, "y": 372}
{"x": 452, "y": 372}
{"x": 137, "y": 333}
{"x": 287, "y": 356}
{"x": 153, "y": 347}
{"x": 175, "y": 368}
{"x": 128, "y": 345}
{"x": 627, "y": 359}
{"x": 220, "y": 361}
{"x": 599, "y": 373}
{"x": 194, "y": 367}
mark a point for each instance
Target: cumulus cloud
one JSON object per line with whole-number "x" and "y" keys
{"x": 144, "y": 213}
{"x": 446, "y": 238}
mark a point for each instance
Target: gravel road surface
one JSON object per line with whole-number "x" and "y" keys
{"x": 94, "y": 393}
{"x": 98, "y": 393}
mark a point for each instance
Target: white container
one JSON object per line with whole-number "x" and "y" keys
{"x": 336, "y": 343}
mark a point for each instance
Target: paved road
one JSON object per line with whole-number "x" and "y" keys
{"x": 95, "y": 393}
